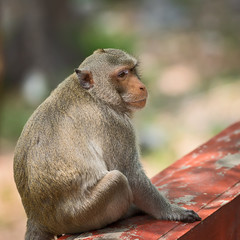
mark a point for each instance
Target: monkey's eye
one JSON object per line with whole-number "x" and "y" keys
{"x": 122, "y": 74}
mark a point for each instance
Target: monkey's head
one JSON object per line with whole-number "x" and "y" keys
{"x": 111, "y": 76}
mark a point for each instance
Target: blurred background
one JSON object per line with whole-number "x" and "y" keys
{"x": 190, "y": 61}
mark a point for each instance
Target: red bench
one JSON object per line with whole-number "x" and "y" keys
{"x": 206, "y": 180}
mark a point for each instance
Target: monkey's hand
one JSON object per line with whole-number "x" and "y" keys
{"x": 150, "y": 200}
{"x": 176, "y": 213}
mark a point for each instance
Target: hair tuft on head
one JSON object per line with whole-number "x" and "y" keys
{"x": 100, "y": 50}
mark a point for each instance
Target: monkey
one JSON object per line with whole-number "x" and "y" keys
{"x": 76, "y": 163}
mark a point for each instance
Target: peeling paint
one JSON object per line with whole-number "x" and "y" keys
{"x": 163, "y": 186}
{"x": 236, "y": 132}
{"x": 183, "y": 186}
{"x": 195, "y": 155}
{"x": 220, "y": 174}
{"x": 185, "y": 167}
{"x": 220, "y": 154}
{"x": 224, "y": 139}
{"x": 186, "y": 200}
{"x": 224, "y": 202}
{"x": 237, "y": 194}
{"x": 109, "y": 236}
{"x": 229, "y": 161}
{"x": 105, "y": 233}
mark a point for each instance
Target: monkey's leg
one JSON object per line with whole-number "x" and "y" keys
{"x": 108, "y": 201}
{"x": 35, "y": 233}
{"x": 150, "y": 200}
{"x": 132, "y": 210}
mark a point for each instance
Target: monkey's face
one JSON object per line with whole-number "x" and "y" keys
{"x": 131, "y": 89}
{"x": 111, "y": 75}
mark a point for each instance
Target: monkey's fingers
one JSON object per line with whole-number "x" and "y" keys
{"x": 190, "y": 216}
{"x": 182, "y": 214}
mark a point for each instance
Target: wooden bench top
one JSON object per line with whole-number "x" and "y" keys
{"x": 206, "y": 180}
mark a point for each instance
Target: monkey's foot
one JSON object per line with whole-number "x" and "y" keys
{"x": 182, "y": 214}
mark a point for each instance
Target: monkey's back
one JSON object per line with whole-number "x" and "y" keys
{"x": 48, "y": 164}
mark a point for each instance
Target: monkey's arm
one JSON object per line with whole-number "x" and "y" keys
{"x": 150, "y": 200}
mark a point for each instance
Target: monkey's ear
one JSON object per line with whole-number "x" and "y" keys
{"x": 101, "y": 50}
{"x": 85, "y": 78}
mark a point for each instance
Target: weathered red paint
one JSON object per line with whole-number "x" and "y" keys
{"x": 206, "y": 180}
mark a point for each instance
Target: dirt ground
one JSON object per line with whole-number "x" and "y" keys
{"x": 12, "y": 216}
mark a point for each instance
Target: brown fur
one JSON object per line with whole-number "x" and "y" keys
{"x": 76, "y": 163}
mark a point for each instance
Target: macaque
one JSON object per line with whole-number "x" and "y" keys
{"x": 76, "y": 163}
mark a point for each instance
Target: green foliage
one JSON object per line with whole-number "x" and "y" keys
{"x": 98, "y": 38}
{"x": 14, "y": 114}
{"x": 160, "y": 159}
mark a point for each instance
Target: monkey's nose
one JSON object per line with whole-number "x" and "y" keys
{"x": 143, "y": 89}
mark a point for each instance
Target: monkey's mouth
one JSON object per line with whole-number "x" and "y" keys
{"x": 138, "y": 103}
